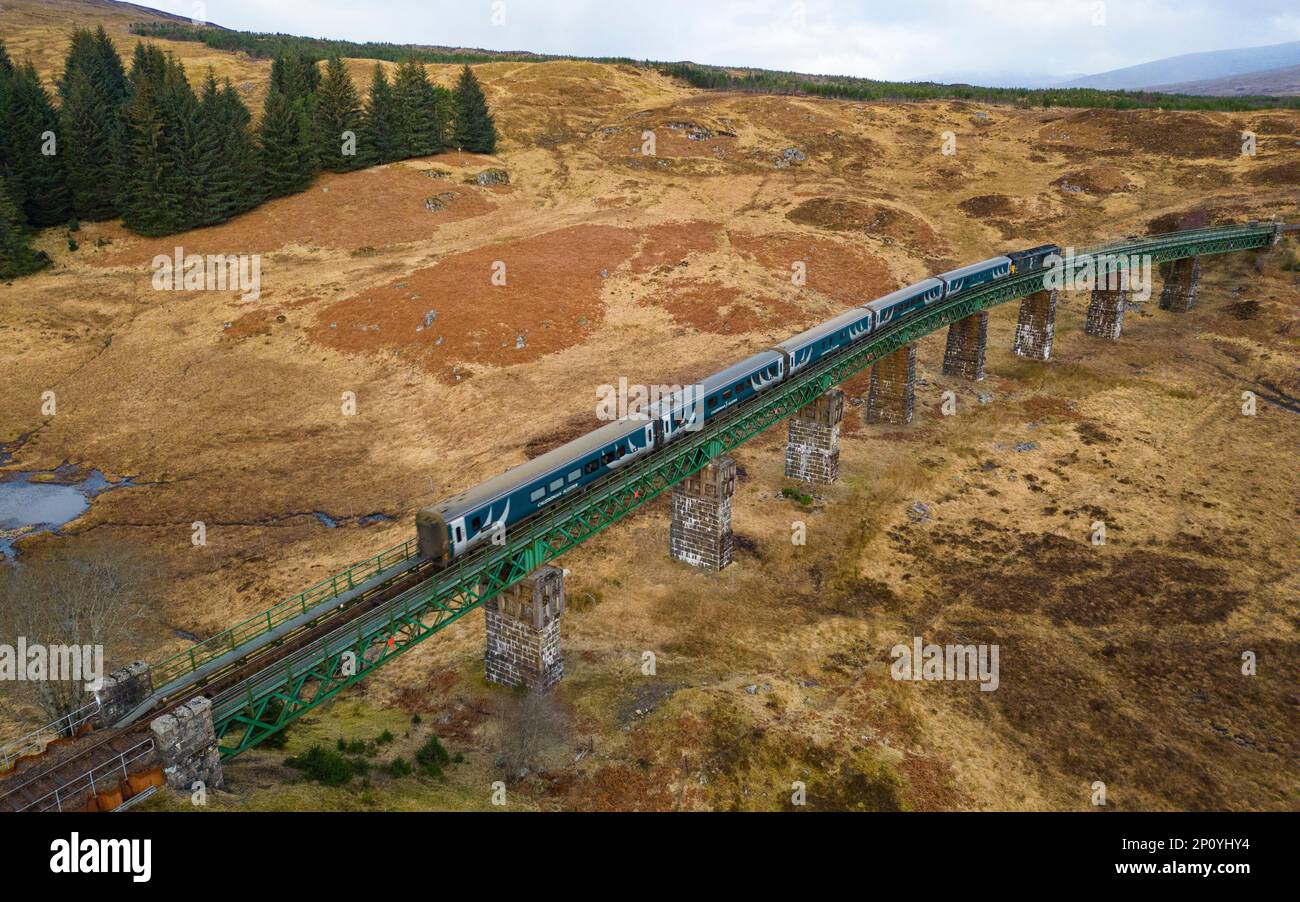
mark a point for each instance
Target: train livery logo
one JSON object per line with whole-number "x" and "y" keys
{"x": 677, "y": 407}
{"x": 491, "y": 529}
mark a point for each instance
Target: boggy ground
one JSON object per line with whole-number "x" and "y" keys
{"x": 1120, "y": 662}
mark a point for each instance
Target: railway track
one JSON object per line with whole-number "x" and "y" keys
{"x": 79, "y": 766}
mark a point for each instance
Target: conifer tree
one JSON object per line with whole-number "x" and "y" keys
{"x": 295, "y": 76}
{"x": 381, "y": 143}
{"x": 285, "y": 146}
{"x": 16, "y": 256}
{"x": 148, "y": 65}
{"x": 444, "y": 104}
{"x": 6, "y": 73}
{"x": 243, "y": 148}
{"x": 187, "y": 179}
{"x": 417, "y": 117}
{"x": 226, "y": 153}
{"x": 35, "y": 149}
{"x": 338, "y": 110}
{"x": 149, "y": 205}
{"x": 92, "y": 90}
{"x": 474, "y": 128}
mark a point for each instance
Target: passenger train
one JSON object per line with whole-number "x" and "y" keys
{"x": 449, "y": 529}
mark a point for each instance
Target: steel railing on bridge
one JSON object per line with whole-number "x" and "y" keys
{"x": 241, "y": 634}
{"x": 34, "y": 742}
{"x": 107, "y": 776}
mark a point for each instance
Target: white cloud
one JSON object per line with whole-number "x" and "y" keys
{"x": 898, "y": 39}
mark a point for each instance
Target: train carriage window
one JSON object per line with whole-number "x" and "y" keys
{"x": 557, "y": 484}
{"x": 726, "y": 394}
{"x": 460, "y": 534}
{"x": 592, "y": 466}
{"x": 476, "y": 524}
{"x": 575, "y": 476}
{"x": 537, "y": 494}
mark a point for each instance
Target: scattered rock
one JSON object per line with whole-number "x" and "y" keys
{"x": 1025, "y": 446}
{"x": 694, "y": 131}
{"x": 789, "y": 157}
{"x": 919, "y": 512}
{"x": 492, "y": 177}
{"x": 437, "y": 202}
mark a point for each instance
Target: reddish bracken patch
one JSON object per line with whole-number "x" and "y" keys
{"x": 710, "y": 306}
{"x": 452, "y": 313}
{"x": 371, "y": 208}
{"x": 850, "y": 275}
{"x": 670, "y": 243}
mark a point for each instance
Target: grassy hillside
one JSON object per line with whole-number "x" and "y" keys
{"x": 717, "y": 78}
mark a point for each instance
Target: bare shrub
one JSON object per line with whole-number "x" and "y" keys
{"x": 66, "y": 600}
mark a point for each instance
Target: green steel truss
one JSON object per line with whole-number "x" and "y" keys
{"x": 196, "y": 656}
{"x": 268, "y": 701}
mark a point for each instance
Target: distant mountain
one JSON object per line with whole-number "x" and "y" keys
{"x": 1005, "y": 79}
{"x": 1283, "y": 82}
{"x": 1192, "y": 67}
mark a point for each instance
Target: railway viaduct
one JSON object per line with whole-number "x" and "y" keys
{"x": 175, "y": 721}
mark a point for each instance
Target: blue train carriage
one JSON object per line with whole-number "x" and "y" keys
{"x": 1031, "y": 259}
{"x": 806, "y": 348}
{"x": 741, "y": 381}
{"x": 898, "y": 304}
{"x": 974, "y": 275}
{"x": 450, "y": 528}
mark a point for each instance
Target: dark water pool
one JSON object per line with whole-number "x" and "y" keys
{"x": 36, "y": 501}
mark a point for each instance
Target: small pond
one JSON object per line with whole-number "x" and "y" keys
{"x": 35, "y": 501}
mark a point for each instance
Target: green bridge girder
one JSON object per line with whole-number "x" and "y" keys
{"x": 268, "y": 701}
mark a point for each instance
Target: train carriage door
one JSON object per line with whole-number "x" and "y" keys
{"x": 458, "y": 534}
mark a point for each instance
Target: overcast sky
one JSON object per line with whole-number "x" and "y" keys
{"x": 898, "y": 39}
